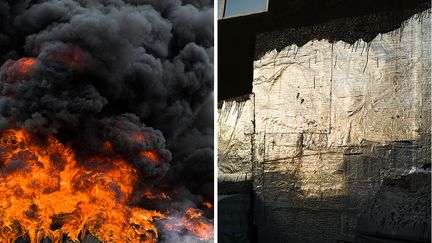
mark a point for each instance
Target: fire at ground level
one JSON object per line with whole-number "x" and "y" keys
{"x": 49, "y": 193}
{"x": 87, "y": 105}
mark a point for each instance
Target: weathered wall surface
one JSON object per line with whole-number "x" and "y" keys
{"x": 235, "y": 129}
{"x": 327, "y": 122}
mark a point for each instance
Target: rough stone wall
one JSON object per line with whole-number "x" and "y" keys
{"x": 325, "y": 124}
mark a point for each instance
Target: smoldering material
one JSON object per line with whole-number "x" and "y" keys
{"x": 103, "y": 69}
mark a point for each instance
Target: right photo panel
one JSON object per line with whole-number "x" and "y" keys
{"x": 324, "y": 121}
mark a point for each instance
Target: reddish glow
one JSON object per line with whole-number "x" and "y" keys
{"x": 25, "y": 65}
{"x": 152, "y": 155}
{"x": 137, "y": 136}
{"x": 20, "y": 69}
{"x": 107, "y": 146}
{"x": 71, "y": 57}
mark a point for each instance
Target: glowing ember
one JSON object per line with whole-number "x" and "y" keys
{"x": 207, "y": 204}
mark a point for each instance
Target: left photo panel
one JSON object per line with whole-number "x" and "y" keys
{"x": 106, "y": 121}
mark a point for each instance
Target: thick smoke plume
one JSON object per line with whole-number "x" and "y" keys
{"x": 131, "y": 75}
{"x": 103, "y": 69}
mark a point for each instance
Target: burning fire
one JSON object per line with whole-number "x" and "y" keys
{"x": 46, "y": 191}
{"x": 191, "y": 221}
{"x": 207, "y": 204}
{"x": 152, "y": 155}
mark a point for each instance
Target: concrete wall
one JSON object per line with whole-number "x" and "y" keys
{"x": 325, "y": 124}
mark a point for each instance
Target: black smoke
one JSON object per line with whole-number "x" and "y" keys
{"x": 106, "y": 69}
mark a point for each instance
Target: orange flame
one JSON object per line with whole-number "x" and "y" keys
{"x": 193, "y": 213}
{"x": 152, "y": 155}
{"x": 207, "y": 204}
{"x": 46, "y": 192}
{"x": 193, "y": 221}
{"x": 202, "y": 230}
{"x": 195, "y": 224}
{"x": 161, "y": 196}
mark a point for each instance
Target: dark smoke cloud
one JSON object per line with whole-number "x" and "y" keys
{"x": 105, "y": 68}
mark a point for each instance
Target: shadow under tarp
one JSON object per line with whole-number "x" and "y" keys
{"x": 234, "y": 220}
{"x": 400, "y": 212}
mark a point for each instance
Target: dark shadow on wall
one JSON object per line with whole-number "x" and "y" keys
{"x": 399, "y": 212}
{"x": 282, "y": 212}
{"x": 234, "y": 212}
